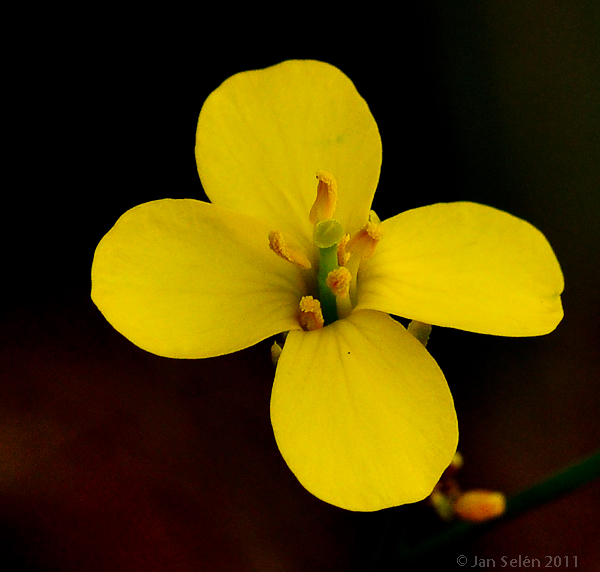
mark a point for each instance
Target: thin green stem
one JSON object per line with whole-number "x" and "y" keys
{"x": 562, "y": 482}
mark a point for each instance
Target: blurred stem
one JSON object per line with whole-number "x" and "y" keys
{"x": 562, "y": 482}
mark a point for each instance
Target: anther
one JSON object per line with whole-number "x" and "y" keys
{"x": 311, "y": 316}
{"x": 324, "y": 205}
{"x": 363, "y": 243}
{"x": 342, "y": 255}
{"x": 279, "y": 246}
{"x": 339, "y": 281}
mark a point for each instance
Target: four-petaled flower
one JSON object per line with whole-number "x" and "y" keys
{"x": 361, "y": 412}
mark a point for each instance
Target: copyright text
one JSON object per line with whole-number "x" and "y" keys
{"x": 518, "y": 562}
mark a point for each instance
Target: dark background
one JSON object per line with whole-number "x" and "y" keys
{"x": 115, "y": 459}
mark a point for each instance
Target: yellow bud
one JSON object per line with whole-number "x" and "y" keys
{"x": 480, "y": 505}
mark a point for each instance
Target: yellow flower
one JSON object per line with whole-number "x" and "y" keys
{"x": 361, "y": 412}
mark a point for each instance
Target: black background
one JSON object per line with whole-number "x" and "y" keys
{"x": 115, "y": 459}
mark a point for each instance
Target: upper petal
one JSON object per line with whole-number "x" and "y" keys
{"x": 362, "y": 413}
{"x": 466, "y": 266}
{"x": 263, "y": 135}
{"x": 187, "y": 279}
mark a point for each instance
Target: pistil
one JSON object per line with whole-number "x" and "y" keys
{"x": 327, "y": 235}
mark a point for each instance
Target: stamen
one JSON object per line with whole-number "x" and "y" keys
{"x": 279, "y": 246}
{"x": 342, "y": 255}
{"x": 311, "y": 317}
{"x": 324, "y": 205}
{"x": 338, "y": 281}
{"x": 363, "y": 243}
{"x": 360, "y": 246}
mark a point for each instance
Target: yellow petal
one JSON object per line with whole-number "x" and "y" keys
{"x": 362, "y": 413}
{"x": 263, "y": 135}
{"x": 187, "y": 279}
{"x": 466, "y": 266}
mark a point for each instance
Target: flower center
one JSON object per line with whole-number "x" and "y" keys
{"x": 339, "y": 258}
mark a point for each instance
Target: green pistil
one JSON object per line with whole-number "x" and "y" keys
{"x": 327, "y": 235}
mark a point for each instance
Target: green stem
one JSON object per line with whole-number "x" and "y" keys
{"x": 562, "y": 482}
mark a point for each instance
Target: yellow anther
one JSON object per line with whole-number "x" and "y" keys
{"x": 324, "y": 205}
{"x": 311, "y": 316}
{"x": 480, "y": 505}
{"x": 342, "y": 255}
{"x": 363, "y": 243}
{"x": 339, "y": 281}
{"x": 279, "y": 246}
